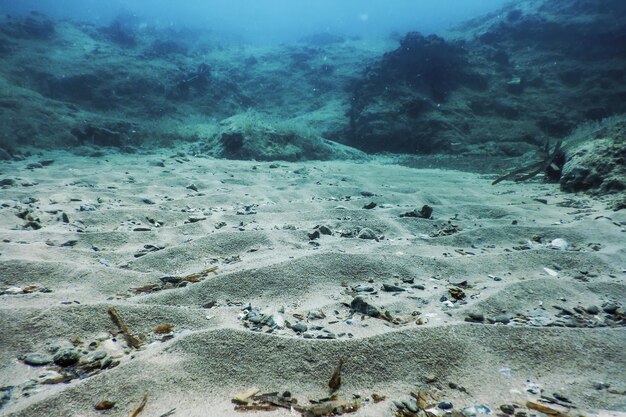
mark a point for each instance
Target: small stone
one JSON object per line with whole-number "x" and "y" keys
{"x": 445, "y": 405}
{"x": 299, "y": 327}
{"x": 104, "y": 405}
{"x": 98, "y": 355}
{"x": 325, "y": 230}
{"x": 610, "y": 308}
{"x": 430, "y": 378}
{"x": 560, "y": 244}
{"x": 392, "y": 288}
{"x": 410, "y": 405}
{"x": 148, "y": 201}
{"x": 7, "y": 182}
{"x": 52, "y": 377}
{"x": 475, "y": 316}
{"x": 502, "y": 318}
{"x": 314, "y": 234}
{"x": 364, "y": 288}
{"x": 192, "y": 187}
{"x": 87, "y": 207}
{"x": 5, "y": 392}
{"x": 367, "y": 233}
{"x": 561, "y": 397}
{"x": 592, "y": 310}
{"x": 37, "y": 359}
{"x": 507, "y": 409}
{"x": 359, "y": 305}
{"x": 66, "y": 357}
{"x": 370, "y": 206}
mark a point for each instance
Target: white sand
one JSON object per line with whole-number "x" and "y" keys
{"x": 211, "y": 359}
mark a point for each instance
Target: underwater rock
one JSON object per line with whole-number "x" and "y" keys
{"x": 253, "y": 136}
{"x": 598, "y": 164}
{"x": 359, "y": 305}
{"x": 37, "y": 359}
{"x": 66, "y": 357}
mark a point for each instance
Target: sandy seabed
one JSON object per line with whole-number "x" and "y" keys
{"x": 506, "y": 293}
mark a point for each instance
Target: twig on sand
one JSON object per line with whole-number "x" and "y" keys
{"x": 119, "y": 322}
{"x": 335, "y": 381}
{"x": 140, "y": 407}
{"x": 527, "y": 172}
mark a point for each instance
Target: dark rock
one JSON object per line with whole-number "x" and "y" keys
{"x": 37, "y": 359}
{"x": 325, "y": 230}
{"x": 592, "y": 310}
{"x": 475, "y": 316}
{"x": 392, "y": 288}
{"x": 359, "y": 305}
{"x": 364, "y": 288}
{"x": 299, "y": 327}
{"x": 66, "y": 357}
{"x": 370, "y": 206}
{"x": 445, "y": 405}
{"x": 425, "y": 213}
{"x": 507, "y": 409}
{"x": 315, "y": 234}
{"x": 7, "y": 182}
{"x": 610, "y": 308}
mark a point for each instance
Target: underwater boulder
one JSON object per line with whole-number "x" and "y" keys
{"x": 597, "y": 164}
{"x": 254, "y": 136}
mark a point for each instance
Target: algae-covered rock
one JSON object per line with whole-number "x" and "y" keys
{"x": 254, "y": 136}
{"x": 598, "y": 163}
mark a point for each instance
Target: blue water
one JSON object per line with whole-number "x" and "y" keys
{"x": 272, "y": 20}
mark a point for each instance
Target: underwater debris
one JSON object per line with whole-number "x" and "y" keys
{"x": 335, "y": 380}
{"x": 140, "y": 407}
{"x": 170, "y": 282}
{"x": 551, "y": 165}
{"x": 332, "y": 406}
{"x": 425, "y": 212}
{"x": 119, "y": 322}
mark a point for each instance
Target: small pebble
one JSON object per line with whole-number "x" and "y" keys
{"x": 37, "y": 359}
{"x": 445, "y": 405}
{"x": 475, "y": 316}
{"x": 66, "y": 357}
